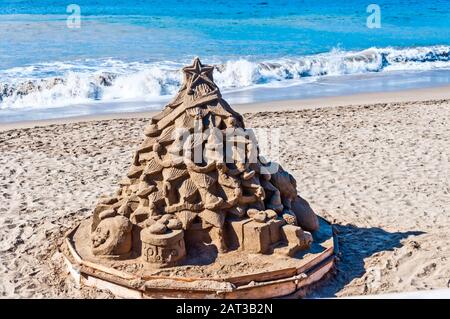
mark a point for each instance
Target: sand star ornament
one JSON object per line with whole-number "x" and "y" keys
{"x": 198, "y": 71}
{"x": 198, "y": 193}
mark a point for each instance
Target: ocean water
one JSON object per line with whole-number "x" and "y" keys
{"x": 126, "y": 55}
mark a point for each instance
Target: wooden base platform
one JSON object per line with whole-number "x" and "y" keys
{"x": 267, "y": 276}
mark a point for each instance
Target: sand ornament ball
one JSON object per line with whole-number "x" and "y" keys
{"x": 198, "y": 191}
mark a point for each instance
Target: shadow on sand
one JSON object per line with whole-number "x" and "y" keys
{"x": 356, "y": 244}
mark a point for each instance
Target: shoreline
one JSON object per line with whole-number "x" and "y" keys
{"x": 409, "y": 95}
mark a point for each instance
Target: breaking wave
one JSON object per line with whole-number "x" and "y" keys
{"x": 58, "y": 84}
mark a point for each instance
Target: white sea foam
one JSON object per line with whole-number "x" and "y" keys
{"x": 67, "y": 83}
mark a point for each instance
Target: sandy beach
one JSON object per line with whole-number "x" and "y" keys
{"x": 375, "y": 165}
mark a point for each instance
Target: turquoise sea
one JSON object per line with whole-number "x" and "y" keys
{"x": 124, "y": 56}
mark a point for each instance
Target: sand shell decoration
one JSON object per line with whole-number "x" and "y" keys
{"x": 219, "y": 110}
{"x": 203, "y": 180}
{"x": 173, "y": 173}
{"x": 156, "y": 197}
{"x": 153, "y": 167}
{"x": 166, "y": 135}
{"x": 186, "y": 217}
{"x": 175, "y": 208}
{"x": 216, "y": 219}
{"x": 188, "y": 189}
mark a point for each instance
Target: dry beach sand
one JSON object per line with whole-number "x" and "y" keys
{"x": 376, "y": 165}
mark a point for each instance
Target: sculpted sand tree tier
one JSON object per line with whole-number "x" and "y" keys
{"x": 198, "y": 178}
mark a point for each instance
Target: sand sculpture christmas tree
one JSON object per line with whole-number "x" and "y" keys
{"x": 197, "y": 178}
{"x": 201, "y": 214}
